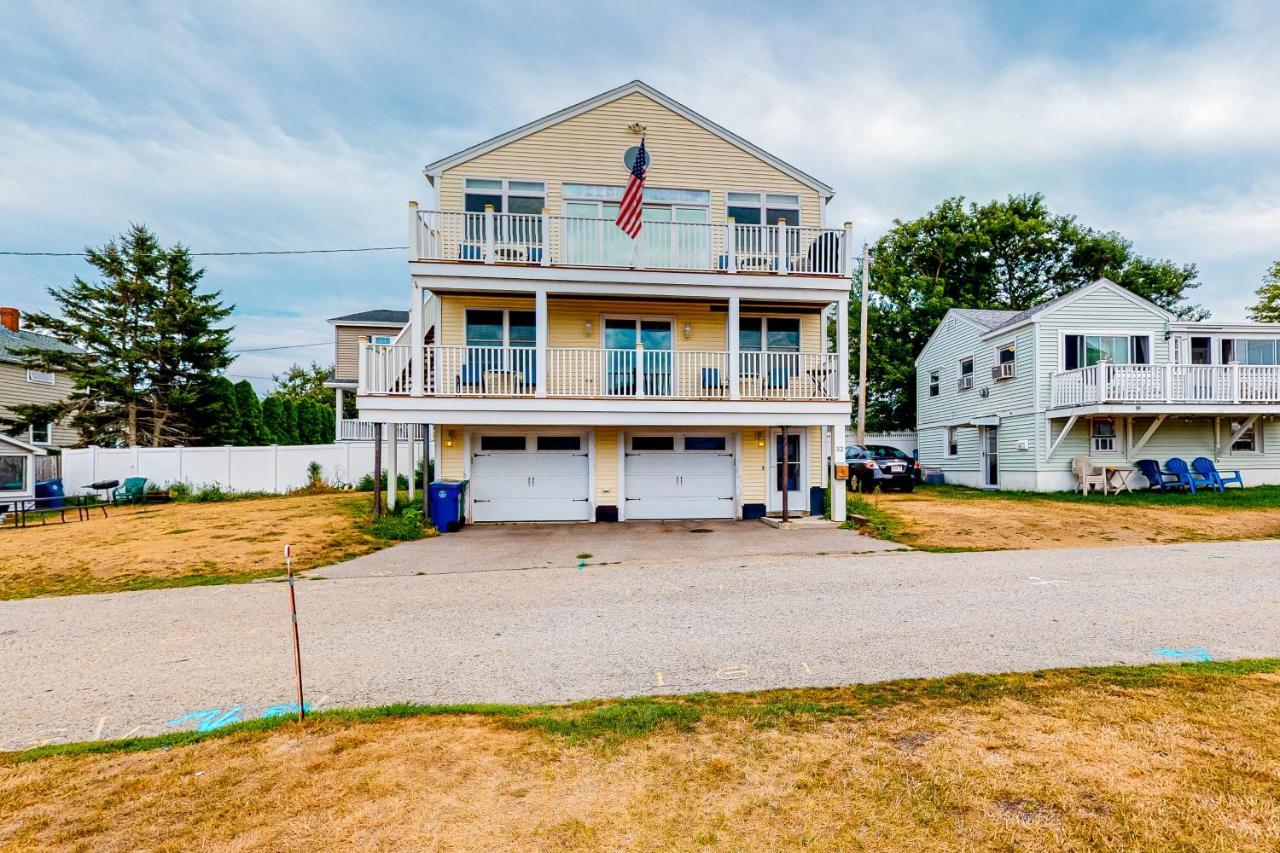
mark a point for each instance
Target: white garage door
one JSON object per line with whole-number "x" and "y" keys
{"x": 530, "y": 478}
{"x": 677, "y": 476}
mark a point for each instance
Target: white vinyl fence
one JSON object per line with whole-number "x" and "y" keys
{"x": 233, "y": 469}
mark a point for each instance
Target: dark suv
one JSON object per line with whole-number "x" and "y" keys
{"x": 880, "y": 465}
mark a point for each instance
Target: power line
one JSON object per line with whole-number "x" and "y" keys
{"x": 287, "y": 346}
{"x": 223, "y": 254}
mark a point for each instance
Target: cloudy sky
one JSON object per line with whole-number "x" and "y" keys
{"x": 295, "y": 125}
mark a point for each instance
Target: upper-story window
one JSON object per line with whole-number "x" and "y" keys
{"x": 41, "y": 433}
{"x": 381, "y": 340}
{"x": 966, "y": 374}
{"x": 769, "y": 334}
{"x": 600, "y": 201}
{"x": 40, "y": 377}
{"x": 935, "y": 381}
{"x": 1005, "y": 356}
{"x": 506, "y": 196}
{"x": 763, "y": 208}
{"x": 498, "y": 328}
{"x": 1088, "y": 350}
{"x": 1250, "y": 351}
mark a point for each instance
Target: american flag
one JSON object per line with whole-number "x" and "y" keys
{"x": 633, "y": 199}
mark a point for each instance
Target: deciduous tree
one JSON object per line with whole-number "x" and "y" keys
{"x": 1267, "y": 308}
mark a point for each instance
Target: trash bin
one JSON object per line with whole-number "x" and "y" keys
{"x": 49, "y": 494}
{"x": 445, "y": 505}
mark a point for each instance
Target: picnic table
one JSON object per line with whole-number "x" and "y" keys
{"x": 1121, "y": 472}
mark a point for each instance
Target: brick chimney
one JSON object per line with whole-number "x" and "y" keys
{"x": 9, "y": 318}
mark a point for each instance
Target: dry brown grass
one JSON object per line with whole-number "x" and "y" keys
{"x": 182, "y": 543}
{"x": 1176, "y": 764}
{"x": 944, "y": 519}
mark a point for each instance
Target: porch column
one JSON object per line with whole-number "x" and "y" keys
{"x": 339, "y": 399}
{"x": 413, "y": 458}
{"x": 540, "y": 342}
{"x": 735, "y": 359}
{"x": 377, "y": 470}
{"x": 392, "y": 447}
{"x": 842, "y": 348}
{"x": 426, "y": 471}
{"x": 838, "y": 506}
{"x": 417, "y": 355}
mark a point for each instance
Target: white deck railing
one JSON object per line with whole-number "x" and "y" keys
{"x": 350, "y": 430}
{"x": 492, "y": 237}
{"x": 454, "y": 371}
{"x": 1166, "y": 383}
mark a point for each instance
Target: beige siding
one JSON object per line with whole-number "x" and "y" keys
{"x": 15, "y": 390}
{"x": 449, "y": 459}
{"x": 346, "y": 353}
{"x": 753, "y": 464}
{"x": 566, "y": 320}
{"x": 607, "y": 466}
{"x": 588, "y": 149}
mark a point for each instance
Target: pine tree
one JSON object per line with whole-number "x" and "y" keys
{"x": 273, "y": 418}
{"x": 220, "y": 415}
{"x": 147, "y": 343}
{"x": 1267, "y": 308}
{"x": 330, "y": 431}
{"x": 289, "y": 419}
{"x": 253, "y": 430}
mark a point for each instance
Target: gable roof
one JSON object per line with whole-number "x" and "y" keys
{"x": 987, "y": 318}
{"x": 377, "y": 317}
{"x": 1017, "y": 318}
{"x": 11, "y": 343}
{"x": 968, "y": 315}
{"x": 622, "y": 91}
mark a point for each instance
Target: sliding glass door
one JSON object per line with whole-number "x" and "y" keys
{"x": 622, "y": 357}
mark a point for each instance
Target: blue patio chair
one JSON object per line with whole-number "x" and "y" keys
{"x": 471, "y": 375}
{"x": 1205, "y": 468}
{"x": 1162, "y": 480}
{"x": 470, "y": 252}
{"x": 711, "y": 379}
{"x": 1178, "y": 467}
{"x": 779, "y": 377}
{"x": 534, "y": 254}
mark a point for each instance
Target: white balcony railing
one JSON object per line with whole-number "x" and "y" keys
{"x": 453, "y": 371}
{"x": 349, "y": 430}
{"x": 1166, "y": 383}
{"x": 492, "y": 237}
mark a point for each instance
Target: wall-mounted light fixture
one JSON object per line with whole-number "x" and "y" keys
{"x": 688, "y": 331}
{"x": 759, "y": 438}
{"x": 586, "y": 329}
{"x": 448, "y": 438}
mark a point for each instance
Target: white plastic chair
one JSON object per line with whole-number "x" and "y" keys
{"x": 1088, "y": 473}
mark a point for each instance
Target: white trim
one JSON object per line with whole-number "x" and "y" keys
{"x": 53, "y": 377}
{"x": 453, "y": 160}
{"x": 23, "y": 445}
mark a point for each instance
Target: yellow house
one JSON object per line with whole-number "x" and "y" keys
{"x": 574, "y": 373}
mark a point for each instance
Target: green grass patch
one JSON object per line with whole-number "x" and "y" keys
{"x": 1255, "y": 497}
{"x": 614, "y": 720}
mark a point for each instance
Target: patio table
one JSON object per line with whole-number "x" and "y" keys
{"x": 1123, "y": 472}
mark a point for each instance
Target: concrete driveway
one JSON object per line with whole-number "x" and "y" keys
{"x": 84, "y": 667}
{"x": 507, "y": 547}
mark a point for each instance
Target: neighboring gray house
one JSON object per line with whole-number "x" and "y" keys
{"x": 22, "y": 385}
{"x": 1006, "y": 399}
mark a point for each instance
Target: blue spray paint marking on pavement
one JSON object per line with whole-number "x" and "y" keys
{"x": 214, "y": 718}
{"x": 1199, "y": 654}
{"x": 582, "y": 564}
{"x": 286, "y": 709}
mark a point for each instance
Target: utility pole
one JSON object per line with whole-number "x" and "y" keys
{"x": 862, "y": 348}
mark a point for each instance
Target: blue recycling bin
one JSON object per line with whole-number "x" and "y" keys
{"x": 445, "y": 503}
{"x": 49, "y": 494}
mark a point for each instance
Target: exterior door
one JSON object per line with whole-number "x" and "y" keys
{"x": 990, "y": 457}
{"x": 622, "y": 337}
{"x": 792, "y": 477}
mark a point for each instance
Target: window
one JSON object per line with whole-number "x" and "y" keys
{"x": 505, "y": 195}
{"x": 1248, "y": 440}
{"x": 381, "y": 340}
{"x": 763, "y": 208}
{"x": 1250, "y": 351}
{"x": 40, "y": 377}
{"x": 966, "y": 374}
{"x": 600, "y": 243}
{"x": 559, "y": 442}
{"x": 1088, "y": 350}
{"x": 495, "y": 328}
{"x": 704, "y": 442}
{"x": 41, "y": 433}
{"x": 502, "y": 442}
{"x": 653, "y": 442}
{"x": 953, "y": 441}
{"x": 771, "y": 334}
{"x": 935, "y": 380}
{"x": 1103, "y": 435}
{"x": 1005, "y": 354}
{"x": 13, "y": 473}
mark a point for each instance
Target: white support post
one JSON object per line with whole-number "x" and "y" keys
{"x": 1168, "y": 382}
{"x": 540, "y": 342}
{"x": 1071, "y": 421}
{"x": 735, "y": 357}
{"x": 783, "y": 259}
{"x": 1146, "y": 436}
{"x": 415, "y": 243}
{"x": 545, "y": 260}
{"x": 436, "y": 367}
{"x": 846, "y": 257}
{"x": 731, "y": 244}
{"x": 842, "y": 348}
{"x": 488, "y": 233}
{"x": 1235, "y": 382}
{"x": 417, "y": 355}
{"x": 392, "y": 469}
{"x": 413, "y": 458}
{"x": 639, "y": 391}
{"x": 838, "y": 501}
{"x": 339, "y": 399}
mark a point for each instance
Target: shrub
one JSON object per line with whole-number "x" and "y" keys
{"x": 404, "y": 525}
{"x": 366, "y": 482}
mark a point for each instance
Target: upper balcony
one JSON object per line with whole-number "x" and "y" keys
{"x": 521, "y": 239}
{"x": 1187, "y": 386}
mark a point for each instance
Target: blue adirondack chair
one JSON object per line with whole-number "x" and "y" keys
{"x": 1162, "y": 480}
{"x": 1178, "y": 467}
{"x": 711, "y": 379}
{"x": 1205, "y": 468}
